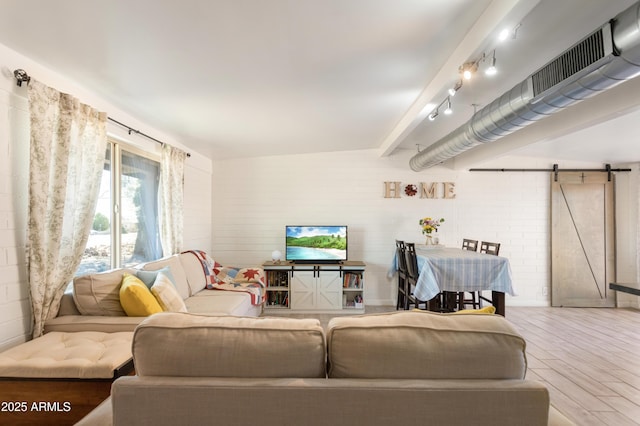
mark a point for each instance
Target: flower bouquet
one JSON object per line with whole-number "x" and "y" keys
{"x": 430, "y": 225}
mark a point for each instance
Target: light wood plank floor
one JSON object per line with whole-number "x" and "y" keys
{"x": 588, "y": 358}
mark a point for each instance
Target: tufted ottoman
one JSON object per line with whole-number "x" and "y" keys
{"x": 59, "y": 377}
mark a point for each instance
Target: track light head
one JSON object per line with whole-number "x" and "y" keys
{"x": 492, "y": 70}
{"x": 509, "y": 33}
{"x": 468, "y": 69}
{"x": 448, "y": 110}
{"x": 453, "y": 90}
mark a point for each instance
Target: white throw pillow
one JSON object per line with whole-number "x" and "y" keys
{"x": 167, "y": 295}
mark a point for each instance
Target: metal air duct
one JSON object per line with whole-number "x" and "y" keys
{"x": 600, "y": 61}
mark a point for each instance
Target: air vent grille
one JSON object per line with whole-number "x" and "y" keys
{"x": 582, "y": 55}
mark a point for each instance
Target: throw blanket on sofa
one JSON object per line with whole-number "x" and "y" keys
{"x": 218, "y": 277}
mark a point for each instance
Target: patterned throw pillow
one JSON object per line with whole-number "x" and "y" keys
{"x": 136, "y": 299}
{"x": 167, "y": 295}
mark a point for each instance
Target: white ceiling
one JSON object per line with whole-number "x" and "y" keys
{"x": 233, "y": 78}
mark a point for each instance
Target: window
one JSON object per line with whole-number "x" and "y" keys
{"x": 125, "y": 227}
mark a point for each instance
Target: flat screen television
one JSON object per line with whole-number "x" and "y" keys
{"x": 316, "y": 244}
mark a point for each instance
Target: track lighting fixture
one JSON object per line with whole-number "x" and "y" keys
{"x": 467, "y": 71}
{"x": 492, "y": 70}
{"x": 453, "y": 90}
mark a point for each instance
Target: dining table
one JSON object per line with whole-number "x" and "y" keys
{"x": 448, "y": 269}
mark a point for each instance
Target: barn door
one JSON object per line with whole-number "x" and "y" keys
{"x": 582, "y": 240}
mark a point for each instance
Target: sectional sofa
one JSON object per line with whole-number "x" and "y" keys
{"x": 405, "y": 368}
{"x": 93, "y": 304}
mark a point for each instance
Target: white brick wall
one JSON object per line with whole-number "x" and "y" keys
{"x": 15, "y": 310}
{"x": 197, "y": 203}
{"x": 255, "y": 198}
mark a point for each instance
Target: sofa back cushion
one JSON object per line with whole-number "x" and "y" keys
{"x": 99, "y": 294}
{"x": 424, "y": 345}
{"x": 177, "y": 272}
{"x": 190, "y": 345}
{"x": 194, "y": 272}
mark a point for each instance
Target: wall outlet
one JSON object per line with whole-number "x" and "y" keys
{"x": 545, "y": 291}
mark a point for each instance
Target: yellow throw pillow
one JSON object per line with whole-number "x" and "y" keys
{"x": 167, "y": 295}
{"x": 486, "y": 310}
{"x": 136, "y": 299}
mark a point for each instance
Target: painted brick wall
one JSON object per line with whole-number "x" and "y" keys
{"x": 255, "y": 198}
{"x": 197, "y": 203}
{"x": 15, "y": 310}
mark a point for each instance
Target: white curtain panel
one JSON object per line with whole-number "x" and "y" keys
{"x": 67, "y": 148}
{"x": 172, "y": 199}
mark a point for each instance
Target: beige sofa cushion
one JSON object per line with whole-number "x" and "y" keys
{"x": 194, "y": 272}
{"x": 105, "y": 324}
{"x": 99, "y": 294}
{"x": 222, "y": 302}
{"x": 171, "y": 401}
{"x": 424, "y": 345}
{"x": 182, "y": 344}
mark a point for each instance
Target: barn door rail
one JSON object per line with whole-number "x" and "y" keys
{"x": 607, "y": 169}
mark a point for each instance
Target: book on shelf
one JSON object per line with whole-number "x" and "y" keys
{"x": 277, "y": 279}
{"x": 352, "y": 280}
{"x": 279, "y": 298}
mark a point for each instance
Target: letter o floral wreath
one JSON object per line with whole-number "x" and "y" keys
{"x": 410, "y": 190}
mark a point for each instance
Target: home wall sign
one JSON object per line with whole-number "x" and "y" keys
{"x": 445, "y": 190}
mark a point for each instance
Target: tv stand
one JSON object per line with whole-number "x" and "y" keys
{"x": 330, "y": 287}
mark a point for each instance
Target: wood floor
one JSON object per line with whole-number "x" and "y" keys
{"x": 589, "y": 359}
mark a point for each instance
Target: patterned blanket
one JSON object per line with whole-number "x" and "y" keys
{"x": 218, "y": 277}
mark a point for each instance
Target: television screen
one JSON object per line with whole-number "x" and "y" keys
{"x": 316, "y": 243}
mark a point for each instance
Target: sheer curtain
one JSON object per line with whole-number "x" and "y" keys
{"x": 141, "y": 175}
{"x": 172, "y": 199}
{"x": 68, "y": 141}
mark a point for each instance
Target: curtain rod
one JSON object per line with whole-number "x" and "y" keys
{"x": 138, "y": 132}
{"x": 556, "y": 170}
{"x": 22, "y": 77}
